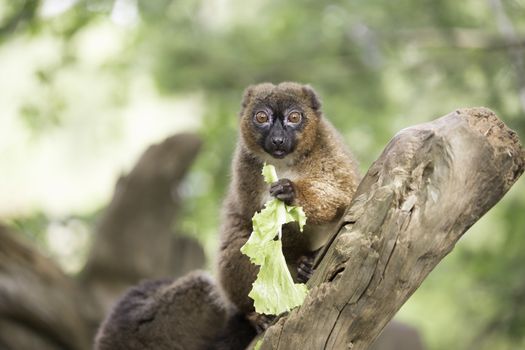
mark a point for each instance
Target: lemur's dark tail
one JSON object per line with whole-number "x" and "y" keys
{"x": 237, "y": 334}
{"x": 189, "y": 313}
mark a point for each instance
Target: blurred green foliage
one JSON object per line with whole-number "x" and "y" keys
{"x": 379, "y": 66}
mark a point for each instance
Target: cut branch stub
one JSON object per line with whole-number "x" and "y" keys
{"x": 431, "y": 183}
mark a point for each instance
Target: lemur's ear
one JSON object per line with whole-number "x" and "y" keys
{"x": 258, "y": 90}
{"x": 247, "y": 96}
{"x": 312, "y": 97}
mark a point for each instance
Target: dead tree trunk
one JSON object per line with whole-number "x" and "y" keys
{"x": 134, "y": 239}
{"x": 432, "y": 182}
{"x": 43, "y": 308}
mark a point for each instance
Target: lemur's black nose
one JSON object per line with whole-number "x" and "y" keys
{"x": 277, "y": 140}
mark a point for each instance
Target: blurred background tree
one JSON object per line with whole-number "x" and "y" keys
{"x": 86, "y": 85}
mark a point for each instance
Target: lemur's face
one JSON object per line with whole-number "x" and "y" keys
{"x": 278, "y": 125}
{"x": 278, "y": 120}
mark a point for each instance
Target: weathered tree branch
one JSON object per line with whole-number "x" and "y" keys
{"x": 40, "y": 307}
{"x": 432, "y": 182}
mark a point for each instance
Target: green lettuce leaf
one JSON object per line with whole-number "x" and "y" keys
{"x": 274, "y": 291}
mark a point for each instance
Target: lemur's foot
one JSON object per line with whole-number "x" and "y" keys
{"x": 260, "y": 321}
{"x": 305, "y": 268}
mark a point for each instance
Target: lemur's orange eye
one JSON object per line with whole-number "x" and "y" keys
{"x": 294, "y": 117}
{"x": 261, "y": 117}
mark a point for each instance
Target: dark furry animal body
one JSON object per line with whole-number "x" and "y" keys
{"x": 282, "y": 125}
{"x": 186, "y": 314}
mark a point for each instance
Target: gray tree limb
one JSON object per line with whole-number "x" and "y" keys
{"x": 431, "y": 183}
{"x": 40, "y": 307}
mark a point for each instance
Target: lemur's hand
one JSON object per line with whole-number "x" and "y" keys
{"x": 283, "y": 189}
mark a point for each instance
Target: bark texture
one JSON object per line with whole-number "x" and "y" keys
{"x": 431, "y": 183}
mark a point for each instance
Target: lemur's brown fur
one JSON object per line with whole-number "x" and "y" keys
{"x": 322, "y": 172}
